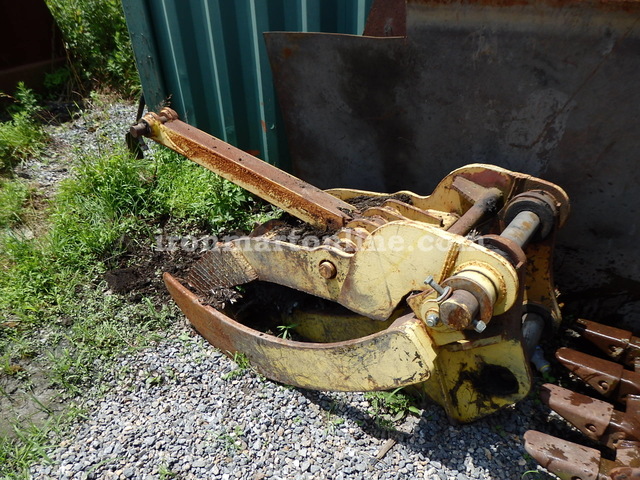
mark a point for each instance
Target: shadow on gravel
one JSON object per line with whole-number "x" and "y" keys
{"x": 434, "y": 438}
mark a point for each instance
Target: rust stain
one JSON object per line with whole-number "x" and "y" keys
{"x": 608, "y": 5}
{"x": 387, "y": 18}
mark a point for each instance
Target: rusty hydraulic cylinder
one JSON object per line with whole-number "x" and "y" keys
{"x": 310, "y": 204}
{"x": 621, "y": 345}
{"x": 610, "y": 379}
{"x": 596, "y": 419}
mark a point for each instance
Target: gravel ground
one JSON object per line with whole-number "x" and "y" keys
{"x": 102, "y": 124}
{"x": 172, "y": 410}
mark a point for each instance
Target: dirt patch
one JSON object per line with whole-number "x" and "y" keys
{"x": 28, "y": 395}
{"x": 137, "y": 272}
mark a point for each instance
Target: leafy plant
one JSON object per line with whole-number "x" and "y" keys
{"x": 242, "y": 365}
{"x": 184, "y": 189}
{"x": 165, "y": 473}
{"x": 332, "y": 420}
{"x": 285, "y": 330}
{"x": 57, "y": 80}
{"x": 96, "y": 37}
{"x": 390, "y": 406}
{"x": 21, "y": 136}
{"x": 230, "y": 440}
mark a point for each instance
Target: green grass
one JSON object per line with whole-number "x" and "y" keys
{"x": 13, "y": 197}
{"x": 52, "y": 283}
{"x": 230, "y": 440}
{"x": 29, "y": 445}
{"x": 107, "y": 198}
{"x": 189, "y": 191}
{"x": 242, "y": 366}
{"x": 21, "y": 136}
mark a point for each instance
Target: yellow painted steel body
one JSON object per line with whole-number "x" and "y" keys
{"x": 375, "y": 265}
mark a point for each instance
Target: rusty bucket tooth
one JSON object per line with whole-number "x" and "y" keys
{"x": 633, "y": 405}
{"x": 590, "y": 416}
{"x": 618, "y": 344}
{"x": 565, "y": 459}
{"x": 595, "y": 418}
{"x": 625, "y": 473}
{"x": 223, "y": 266}
{"x": 608, "y": 378}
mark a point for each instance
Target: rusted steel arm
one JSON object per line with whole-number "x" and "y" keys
{"x": 300, "y": 199}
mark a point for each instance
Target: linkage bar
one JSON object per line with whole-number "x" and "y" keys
{"x": 302, "y": 200}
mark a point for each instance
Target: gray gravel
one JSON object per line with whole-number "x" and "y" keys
{"x": 169, "y": 412}
{"x": 96, "y": 129}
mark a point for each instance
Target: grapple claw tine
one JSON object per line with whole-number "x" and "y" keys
{"x": 337, "y": 366}
{"x": 222, "y": 266}
{"x": 565, "y": 459}
{"x": 625, "y": 473}
{"x": 610, "y": 379}
{"x": 594, "y": 418}
{"x": 618, "y": 344}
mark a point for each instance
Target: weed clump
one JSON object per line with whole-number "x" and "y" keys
{"x": 22, "y": 136}
{"x": 13, "y": 196}
{"x": 96, "y": 37}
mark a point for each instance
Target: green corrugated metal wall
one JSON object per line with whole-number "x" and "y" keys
{"x": 208, "y": 60}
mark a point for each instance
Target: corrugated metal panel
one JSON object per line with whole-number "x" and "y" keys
{"x": 208, "y": 59}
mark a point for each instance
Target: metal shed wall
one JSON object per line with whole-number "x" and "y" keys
{"x": 207, "y": 58}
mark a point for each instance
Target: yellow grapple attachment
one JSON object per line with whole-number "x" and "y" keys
{"x": 432, "y": 292}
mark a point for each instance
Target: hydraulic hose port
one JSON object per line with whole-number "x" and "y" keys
{"x": 537, "y": 202}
